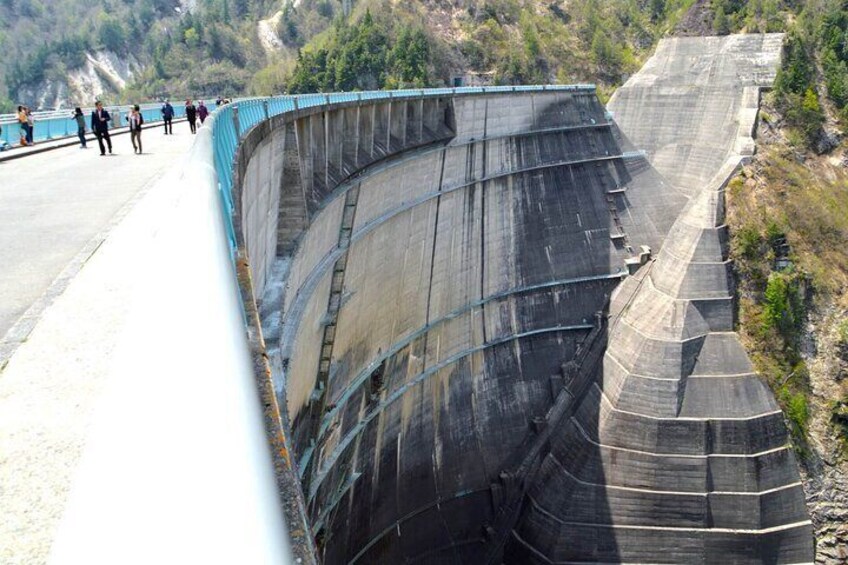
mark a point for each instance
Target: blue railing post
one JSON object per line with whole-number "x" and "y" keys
{"x": 265, "y": 107}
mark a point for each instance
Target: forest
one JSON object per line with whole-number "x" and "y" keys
{"x": 212, "y": 47}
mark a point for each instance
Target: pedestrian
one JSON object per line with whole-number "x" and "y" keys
{"x": 24, "y": 125}
{"x": 100, "y": 119}
{"x": 219, "y": 101}
{"x": 191, "y": 115}
{"x": 80, "y": 119}
{"x": 202, "y": 112}
{"x": 30, "y": 126}
{"x": 168, "y": 116}
{"x": 136, "y": 120}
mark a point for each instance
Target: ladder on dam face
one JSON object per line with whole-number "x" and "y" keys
{"x": 619, "y": 234}
{"x": 319, "y": 397}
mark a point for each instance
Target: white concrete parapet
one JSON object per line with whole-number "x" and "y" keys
{"x": 178, "y": 468}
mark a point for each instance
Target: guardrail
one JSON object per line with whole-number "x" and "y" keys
{"x": 56, "y": 125}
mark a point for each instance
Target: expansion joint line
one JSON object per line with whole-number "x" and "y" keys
{"x": 433, "y": 251}
{"x": 482, "y": 187}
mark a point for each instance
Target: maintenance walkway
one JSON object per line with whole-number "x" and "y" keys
{"x": 65, "y": 289}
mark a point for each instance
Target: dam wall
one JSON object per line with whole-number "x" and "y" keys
{"x": 451, "y": 257}
{"x": 501, "y": 323}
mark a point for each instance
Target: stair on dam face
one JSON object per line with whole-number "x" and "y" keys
{"x": 454, "y": 397}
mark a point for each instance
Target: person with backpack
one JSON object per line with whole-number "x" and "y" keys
{"x": 168, "y": 116}
{"x": 100, "y": 119}
{"x": 80, "y": 120}
{"x": 136, "y": 120}
{"x": 191, "y": 115}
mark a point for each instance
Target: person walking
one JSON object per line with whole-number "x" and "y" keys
{"x": 202, "y": 112}
{"x": 191, "y": 115}
{"x": 30, "y": 126}
{"x": 168, "y": 116}
{"x": 80, "y": 120}
{"x": 100, "y": 119}
{"x": 24, "y": 125}
{"x": 136, "y": 120}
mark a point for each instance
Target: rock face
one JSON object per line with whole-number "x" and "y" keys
{"x": 103, "y": 73}
{"x": 460, "y": 385}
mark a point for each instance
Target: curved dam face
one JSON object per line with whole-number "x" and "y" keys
{"x": 504, "y": 334}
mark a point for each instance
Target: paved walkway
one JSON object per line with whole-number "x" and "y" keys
{"x": 55, "y": 211}
{"x": 55, "y": 208}
{"x": 18, "y": 152}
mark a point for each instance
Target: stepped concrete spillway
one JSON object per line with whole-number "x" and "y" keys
{"x": 678, "y": 451}
{"x": 504, "y": 333}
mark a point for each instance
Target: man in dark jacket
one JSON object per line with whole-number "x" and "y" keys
{"x": 100, "y": 119}
{"x": 191, "y": 115}
{"x": 168, "y": 116}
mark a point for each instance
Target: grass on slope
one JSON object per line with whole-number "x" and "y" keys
{"x": 789, "y": 222}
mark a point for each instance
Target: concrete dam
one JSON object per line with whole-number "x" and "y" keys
{"x": 502, "y": 323}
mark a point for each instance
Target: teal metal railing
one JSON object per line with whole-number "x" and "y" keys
{"x": 59, "y": 124}
{"x": 246, "y": 113}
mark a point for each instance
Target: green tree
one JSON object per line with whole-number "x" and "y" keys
{"x": 657, "y": 9}
{"x": 783, "y": 308}
{"x": 354, "y": 58}
{"x": 409, "y": 57}
{"x": 796, "y": 73}
{"x": 721, "y": 24}
{"x": 287, "y": 26}
{"x": 605, "y": 54}
{"x": 836, "y": 77}
{"x": 111, "y": 33}
{"x": 191, "y": 37}
{"x": 805, "y": 113}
